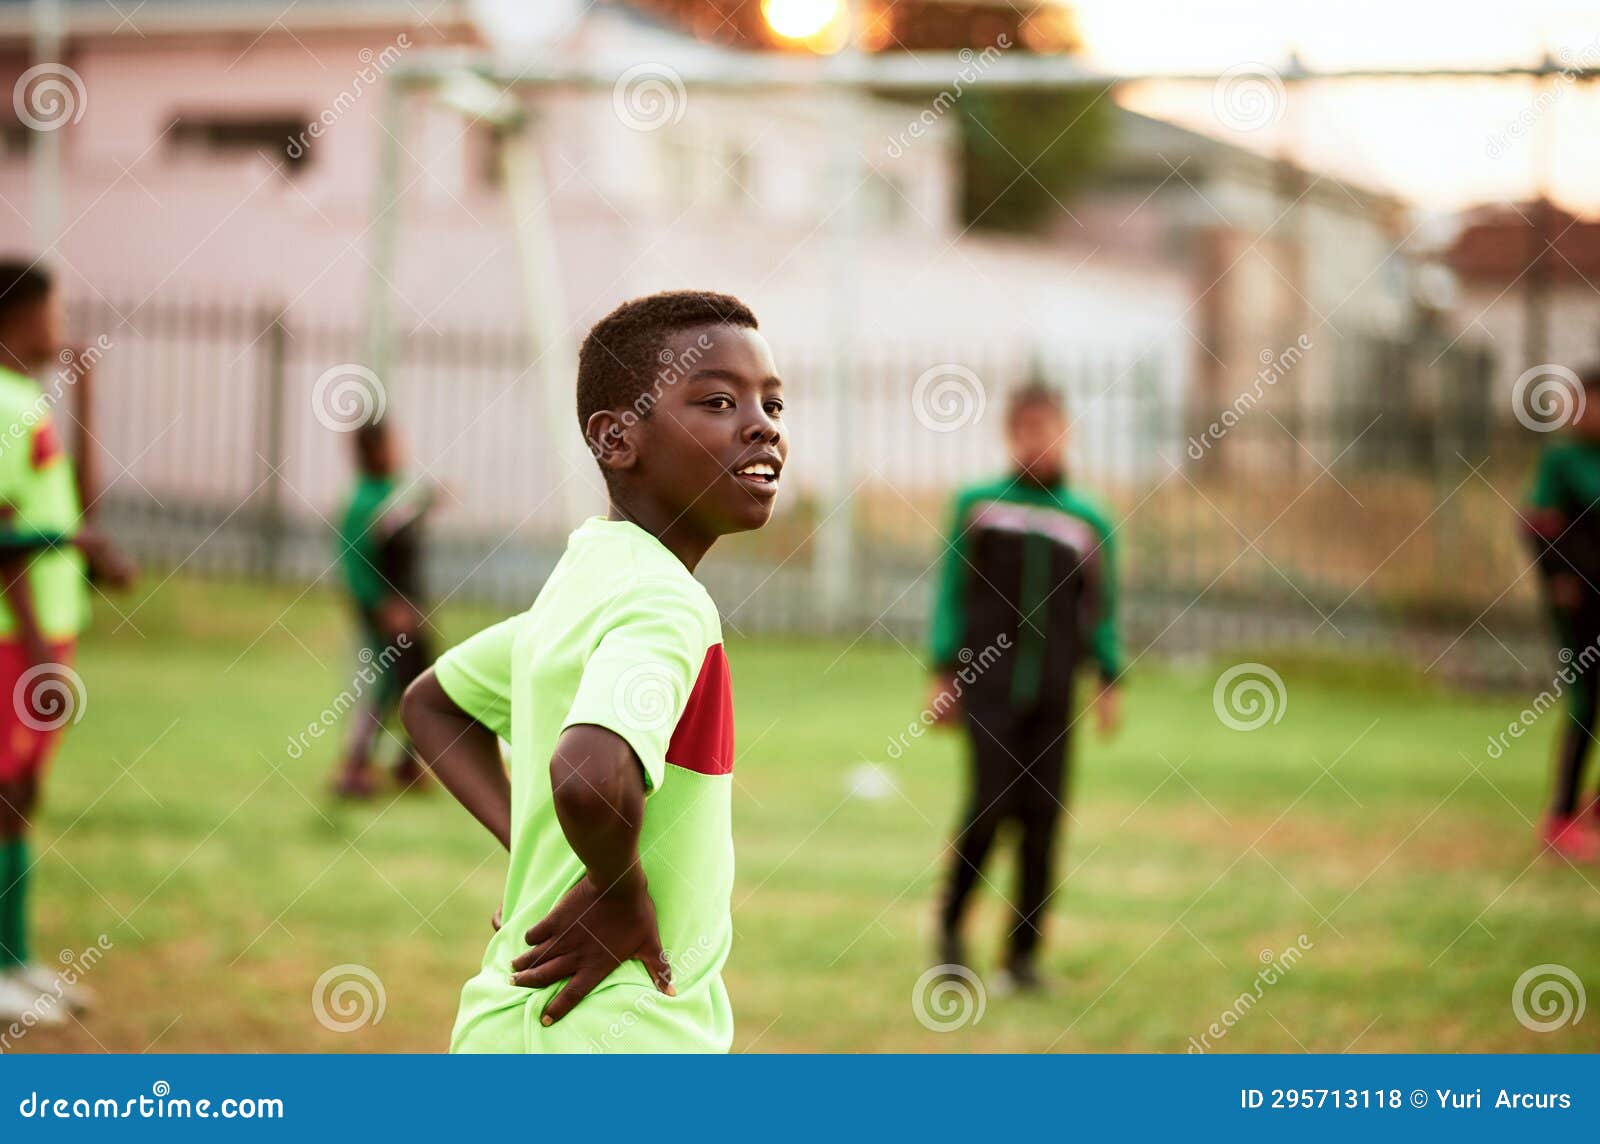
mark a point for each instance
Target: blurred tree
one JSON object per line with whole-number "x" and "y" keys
{"x": 1022, "y": 153}
{"x": 1025, "y": 152}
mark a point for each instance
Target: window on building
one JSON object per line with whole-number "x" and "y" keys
{"x": 280, "y": 139}
{"x": 15, "y": 140}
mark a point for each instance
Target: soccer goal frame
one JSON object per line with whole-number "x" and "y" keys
{"x": 481, "y": 86}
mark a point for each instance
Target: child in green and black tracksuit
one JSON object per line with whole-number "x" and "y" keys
{"x": 380, "y": 551}
{"x": 1562, "y": 521}
{"x": 1027, "y": 592}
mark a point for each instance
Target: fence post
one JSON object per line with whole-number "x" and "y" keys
{"x": 269, "y": 521}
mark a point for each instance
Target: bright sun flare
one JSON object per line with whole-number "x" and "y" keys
{"x": 800, "y": 19}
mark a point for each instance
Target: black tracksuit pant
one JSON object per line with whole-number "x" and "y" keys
{"x": 1019, "y": 775}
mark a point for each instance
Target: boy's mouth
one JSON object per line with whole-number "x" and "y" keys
{"x": 761, "y": 474}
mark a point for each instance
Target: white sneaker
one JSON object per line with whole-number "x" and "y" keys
{"x": 21, "y": 1005}
{"x": 78, "y": 998}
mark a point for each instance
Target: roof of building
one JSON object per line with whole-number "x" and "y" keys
{"x": 1497, "y": 243}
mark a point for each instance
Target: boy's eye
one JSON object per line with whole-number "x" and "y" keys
{"x": 774, "y": 407}
{"x": 719, "y": 401}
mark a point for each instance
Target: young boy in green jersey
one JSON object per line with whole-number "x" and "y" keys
{"x": 1026, "y": 594}
{"x": 614, "y": 694}
{"x": 1562, "y": 522}
{"x": 379, "y": 549}
{"x": 46, "y": 554}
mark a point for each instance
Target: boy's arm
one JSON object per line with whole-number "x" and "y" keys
{"x": 19, "y": 598}
{"x": 87, "y": 462}
{"x": 949, "y": 602}
{"x": 1106, "y": 641}
{"x": 949, "y": 622}
{"x": 106, "y": 561}
{"x": 608, "y": 918}
{"x": 461, "y": 752}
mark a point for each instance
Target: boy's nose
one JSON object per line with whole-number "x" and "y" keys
{"x": 762, "y": 429}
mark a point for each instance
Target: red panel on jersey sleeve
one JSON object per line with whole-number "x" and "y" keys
{"x": 46, "y": 444}
{"x": 703, "y": 739}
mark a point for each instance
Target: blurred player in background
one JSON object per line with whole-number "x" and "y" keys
{"x": 47, "y": 557}
{"x": 380, "y": 552}
{"x": 1562, "y": 521}
{"x": 1027, "y": 592}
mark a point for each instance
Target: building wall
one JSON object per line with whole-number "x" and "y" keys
{"x": 736, "y": 195}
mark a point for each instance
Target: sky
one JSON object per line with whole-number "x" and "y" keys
{"x": 1443, "y": 144}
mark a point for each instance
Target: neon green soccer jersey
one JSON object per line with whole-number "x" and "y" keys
{"x": 622, "y": 637}
{"x": 38, "y": 493}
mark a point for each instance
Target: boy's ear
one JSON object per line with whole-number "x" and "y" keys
{"x": 610, "y": 441}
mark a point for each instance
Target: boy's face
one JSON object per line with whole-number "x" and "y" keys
{"x": 35, "y": 334}
{"x": 383, "y": 455}
{"x": 712, "y": 448}
{"x": 1037, "y": 439}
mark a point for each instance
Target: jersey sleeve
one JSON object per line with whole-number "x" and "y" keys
{"x": 636, "y": 683}
{"x": 476, "y": 675}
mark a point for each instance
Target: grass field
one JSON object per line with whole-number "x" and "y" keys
{"x": 1369, "y": 825}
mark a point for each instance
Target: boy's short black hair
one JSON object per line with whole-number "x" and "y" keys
{"x": 368, "y": 438}
{"x": 621, "y": 355}
{"x": 22, "y": 284}
{"x": 1034, "y": 394}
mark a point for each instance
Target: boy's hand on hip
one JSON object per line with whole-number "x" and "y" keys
{"x": 107, "y": 563}
{"x": 592, "y": 930}
{"x": 1108, "y": 710}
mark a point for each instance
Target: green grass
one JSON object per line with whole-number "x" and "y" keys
{"x": 1369, "y": 819}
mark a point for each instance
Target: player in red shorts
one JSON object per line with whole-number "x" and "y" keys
{"x": 47, "y": 555}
